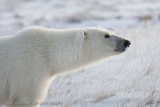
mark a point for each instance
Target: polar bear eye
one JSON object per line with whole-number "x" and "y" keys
{"x": 106, "y": 36}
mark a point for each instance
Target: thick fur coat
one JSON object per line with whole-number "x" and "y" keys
{"x": 30, "y": 59}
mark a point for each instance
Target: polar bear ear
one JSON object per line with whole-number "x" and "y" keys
{"x": 84, "y": 33}
{"x": 81, "y": 35}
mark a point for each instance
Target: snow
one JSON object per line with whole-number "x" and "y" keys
{"x": 131, "y": 79}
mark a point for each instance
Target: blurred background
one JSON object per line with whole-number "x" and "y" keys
{"x": 131, "y": 79}
{"x": 113, "y": 14}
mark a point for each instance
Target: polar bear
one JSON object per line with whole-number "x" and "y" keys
{"x": 30, "y": 59}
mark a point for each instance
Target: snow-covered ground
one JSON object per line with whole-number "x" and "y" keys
{"x": 131, "y": 79}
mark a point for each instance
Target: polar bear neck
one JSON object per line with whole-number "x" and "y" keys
{"x": 68, "y": 54}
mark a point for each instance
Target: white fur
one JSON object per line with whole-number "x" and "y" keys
{"x": 30, "y": 59}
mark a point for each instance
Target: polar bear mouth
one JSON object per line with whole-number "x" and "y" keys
{"x": 121, "y": 48}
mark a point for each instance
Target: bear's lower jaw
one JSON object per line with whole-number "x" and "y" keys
{"x": 120, "y": 49}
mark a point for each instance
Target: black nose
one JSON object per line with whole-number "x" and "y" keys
{"x": 127, "y": 43}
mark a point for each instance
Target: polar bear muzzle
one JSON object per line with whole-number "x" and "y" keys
{"x": 122, "y": 44}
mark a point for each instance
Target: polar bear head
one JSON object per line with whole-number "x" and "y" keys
{"x": 102, "y": 43}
